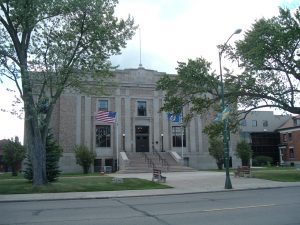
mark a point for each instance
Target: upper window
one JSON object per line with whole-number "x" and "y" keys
{"x": 296, "y": 122}
{"x": 254, "y": 123}
{"x": 290, "y": 136}
{"x": 265, "y": 123}
{"x": 284, "y": 137}
{"x": 243, "y": 122}
{"x": 103, "y": 105}
{"x": 292, "y": 153}
{"x": 142, "y": 108}
{"x": 103, "y": 136}
{"x": 178, "y": 138}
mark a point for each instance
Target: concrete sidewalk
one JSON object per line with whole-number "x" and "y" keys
{"x": 182, "y": 183}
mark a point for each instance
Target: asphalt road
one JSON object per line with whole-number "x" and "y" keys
{"x": 279, "y": 206}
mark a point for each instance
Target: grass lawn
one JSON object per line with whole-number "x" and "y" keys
{"x": 277, "y": 174}
{"x": 74, "y": 183}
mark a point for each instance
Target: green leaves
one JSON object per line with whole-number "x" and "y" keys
{"x": 195, "y": 85}
{"x": 271, "y": 67}
{"x": 84, "y": 157}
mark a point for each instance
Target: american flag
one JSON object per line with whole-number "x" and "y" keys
{"x": 106, "y": 116}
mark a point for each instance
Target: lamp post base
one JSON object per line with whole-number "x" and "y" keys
{"x": 228, "y": 183}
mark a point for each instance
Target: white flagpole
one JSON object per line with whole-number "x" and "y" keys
{"x": 182, "y": 135}
{"x": 117, "y": 137}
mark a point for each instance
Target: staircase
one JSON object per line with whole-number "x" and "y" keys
{"x": 140, "y": 162}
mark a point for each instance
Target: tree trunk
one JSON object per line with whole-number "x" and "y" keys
{"x": 245, "y": 162}
{"x": 14, "y": 170}
{"x": 36, "y": 150}
{"x": 86, "y": 169}
{"x": 220, "y": 164}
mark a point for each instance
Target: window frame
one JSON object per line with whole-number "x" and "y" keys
{"x": 141, "y": 111}
{"x": 284, "y": 137}
{"x": 290, "y": 136}
{"x": 291, "y": 153}
{"x": 243, "y": 123}
{"x": 254, "y": 123}
{"x": 105, "y": 141}
{"x": 265, "y": 123}
{"x": 177, "y": 137}
{"x": 99, "y": 105}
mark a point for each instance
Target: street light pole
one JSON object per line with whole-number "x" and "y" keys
{"x": 228, "y": 184}
{"x": 162, "y": 142}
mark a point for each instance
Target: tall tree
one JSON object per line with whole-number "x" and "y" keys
{"x": 47, "y": 46}
{"x": 197, "y": 87}
{"x": 269, "y": 56}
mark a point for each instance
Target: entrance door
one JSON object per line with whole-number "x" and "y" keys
{"x": 142, "y": 138}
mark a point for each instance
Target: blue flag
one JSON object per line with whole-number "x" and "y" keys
{"x": 174, "y": 117}
{"x": 218, "y": 117}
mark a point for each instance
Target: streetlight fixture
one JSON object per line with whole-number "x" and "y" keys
{"x": 123, "y": 142}
{"x": 162, "y": 142}
{"x": 228, "y": 184}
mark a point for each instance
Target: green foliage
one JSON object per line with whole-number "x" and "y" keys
{"x": 269, "y": 57}
{"x": 262, "y": 160}
{"x": 13, "y": 154}
{"x": 70, "y": 43}
{"x": 53, "y": 154}
{"x": 197, "y": 87}
{"x": 244, "y": 152}
{"x": 84, "y": 157}
{"x": 216, "y": 150}
{"x": 193, "y": 85}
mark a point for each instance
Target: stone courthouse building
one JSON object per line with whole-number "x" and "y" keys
{"x": 139, "y": 126}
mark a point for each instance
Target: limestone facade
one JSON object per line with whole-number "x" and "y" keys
{"x": 147, "y": 130}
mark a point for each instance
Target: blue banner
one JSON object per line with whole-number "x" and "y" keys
{"x": 174, "y": 117}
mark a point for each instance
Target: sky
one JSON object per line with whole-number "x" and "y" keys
{"x": 170, "y": 31}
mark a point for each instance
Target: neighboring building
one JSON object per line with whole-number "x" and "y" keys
{"x": 259, "y": 128}
{"x": 139, "y": 127}
{"x": 289, "y": 147}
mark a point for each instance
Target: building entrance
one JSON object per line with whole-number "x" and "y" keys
{"x": 142, "y": 138}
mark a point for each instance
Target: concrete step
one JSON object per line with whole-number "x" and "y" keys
{"x": 137, "y": 163}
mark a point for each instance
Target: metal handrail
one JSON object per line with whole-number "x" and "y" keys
{"x": 163, "y": 161}
{"x": 149, "y": 161}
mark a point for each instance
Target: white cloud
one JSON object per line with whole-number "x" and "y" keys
{"x": 177, "y": 30}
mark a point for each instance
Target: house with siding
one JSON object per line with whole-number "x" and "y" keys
{"x": 289, "y": 147}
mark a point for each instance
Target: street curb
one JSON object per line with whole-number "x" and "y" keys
{"x": 135, "y": 195}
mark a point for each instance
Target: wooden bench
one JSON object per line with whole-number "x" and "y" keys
{"x": 156, "y": 175}
{"x": 244, "y": 171}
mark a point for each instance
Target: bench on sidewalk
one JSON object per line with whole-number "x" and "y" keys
{"x": 244, "y": 171}
{"x": 156, "y": 175}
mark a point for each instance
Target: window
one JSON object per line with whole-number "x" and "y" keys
{"x": 296, "y": 122}
{"x": 141, "y": 108}
{"x": 290, "y": 137}
{"x": 291, "y": 153}
{"x": 265, "y": 123}
{"x": 177, "y": 136}
{"x": 103, "y": 136}
{"x": 284, "y": 138}
{"x": 243, "y": 123}
{"x": 254, "y": 123}
{"x": 103, "y": 105}
{"x": 245, "y": 136}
